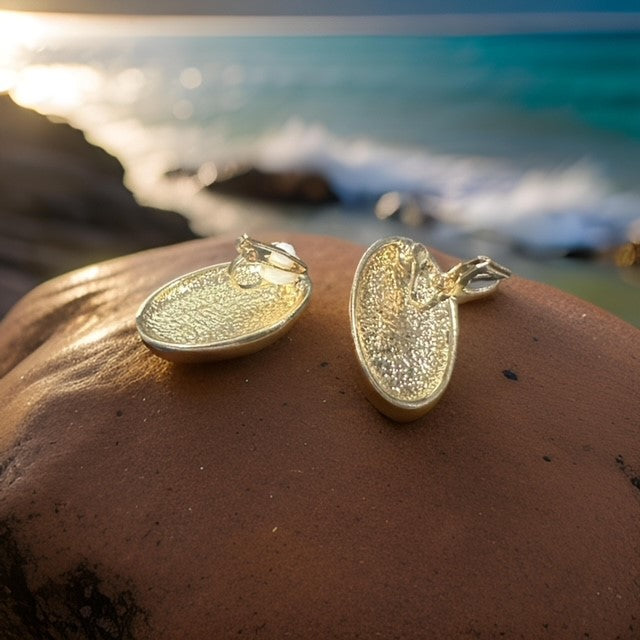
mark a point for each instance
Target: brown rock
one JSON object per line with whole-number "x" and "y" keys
{"x": 266, "y": 497}
{"x": 285, "y": 186}
{"x": 63, "y": 204}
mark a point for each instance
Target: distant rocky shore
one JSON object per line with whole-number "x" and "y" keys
{"x": 63, "y": 204}
{"x": 311, "y": 188}
{"x": 253, "y": 183}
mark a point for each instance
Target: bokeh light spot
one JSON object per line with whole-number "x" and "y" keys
{"x": 190, "y": 78}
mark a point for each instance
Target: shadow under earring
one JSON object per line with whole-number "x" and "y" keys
{"x": 228, "y": 309}
{"x": 404, "y": 322}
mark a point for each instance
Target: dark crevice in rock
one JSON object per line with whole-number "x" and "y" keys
{"x": 76, "y": 605}
{"x": 632, "y": 474}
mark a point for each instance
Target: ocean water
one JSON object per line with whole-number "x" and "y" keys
{"x": 531, "y": 139}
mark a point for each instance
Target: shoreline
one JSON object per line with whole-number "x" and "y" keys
{"x": 122, "y": 225}
{"x": 595, "y": 279}
{"x": 63, "y": 204}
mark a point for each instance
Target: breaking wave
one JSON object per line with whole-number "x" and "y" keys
{"x": 539, "y": 208}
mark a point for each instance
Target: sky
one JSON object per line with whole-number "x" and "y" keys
{"x": 320, "y": 7}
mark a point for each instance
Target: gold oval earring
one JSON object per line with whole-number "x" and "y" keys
{"x": 404, "y": 322}
{"x": 228, "y": 309}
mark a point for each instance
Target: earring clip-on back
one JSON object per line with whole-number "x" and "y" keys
{"x": 404, "y": 322}
{"x": 228, "y": 309}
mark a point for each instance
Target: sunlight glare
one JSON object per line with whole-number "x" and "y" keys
{"x": 7, "y": 79}
{"x": 56, "y": 88}
{"x": 19, "y": 34}
{"x": 127, "y": 86}
{"x": 19, "y": 31}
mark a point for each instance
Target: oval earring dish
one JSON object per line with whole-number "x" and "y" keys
{"x": 404, "y": 322}
{"x": 228, "y": 309}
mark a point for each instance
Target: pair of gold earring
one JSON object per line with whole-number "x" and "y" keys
{"x": 403, "y": 311}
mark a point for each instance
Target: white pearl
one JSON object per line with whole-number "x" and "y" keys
{"x": 280, "y": 276}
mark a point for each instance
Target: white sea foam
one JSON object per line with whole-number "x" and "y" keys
{"x": 160, "y": 107}
{"x": 538, "y": 208}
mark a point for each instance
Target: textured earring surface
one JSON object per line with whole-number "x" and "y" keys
{"x": 404, "y": 322}
{"x": 228, "y": 309}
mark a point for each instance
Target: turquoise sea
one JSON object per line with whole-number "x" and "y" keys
{"x": 525, "y": 140}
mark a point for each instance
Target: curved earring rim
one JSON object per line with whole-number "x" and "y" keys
{"x": 452, "y": 287}
{"x": 395, "y": 408}
{"x": 236, "y": 346}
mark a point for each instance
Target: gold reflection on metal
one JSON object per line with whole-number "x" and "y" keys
{"x": 228, "y": 309}
{"x": 404, "y": 322}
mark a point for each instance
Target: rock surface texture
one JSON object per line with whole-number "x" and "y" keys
{"x": 63, "y": 204}
{"x": 265, "y": 497}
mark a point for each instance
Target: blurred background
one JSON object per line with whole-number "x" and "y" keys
{"x": 496, "y": 127}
